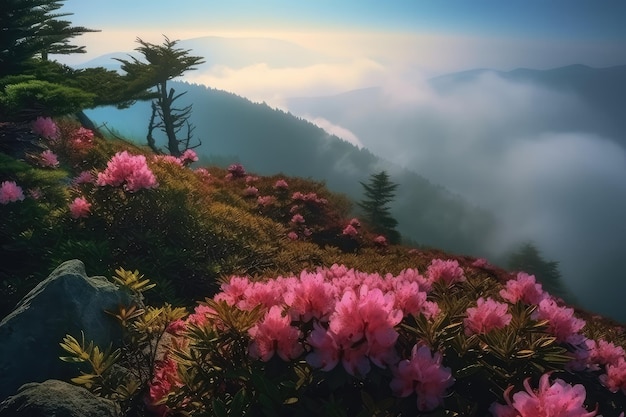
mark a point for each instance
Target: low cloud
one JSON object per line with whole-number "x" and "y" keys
{"x": 523, "y": 153}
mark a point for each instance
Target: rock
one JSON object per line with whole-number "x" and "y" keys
{"x": 66, "y": 302}
{"x": 56, "y": 398}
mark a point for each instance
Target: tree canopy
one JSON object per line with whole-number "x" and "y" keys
{"x": 32, "y": 28}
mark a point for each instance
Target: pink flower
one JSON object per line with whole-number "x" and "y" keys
{"x": 164, "y": 380}
{"x": 281, "y": 185}
{"x": 422, "y": 374}
{"x": 35, "y": 193}
{"x": 234, "y": 290}
{"x": 561, "y": 321}
{"x": 349, "y": 230}
{"x": 46, "y": 128}
{"x": 236, "y": 171}
{"x": 486, "y": 316}
{"x": 188, "y": 157}
{"x": 129, "y": 170}
{"x": 84, "y": 177}
{"x": 297, "y": 219}
{"x": 523, "y": 288}
{"x": 169, "y": 159}
{"x": 380, "y": 240}
{"x": 311, "y": 297}
{"x": 615, "y": 377}
{"x": 354, "y": 222}
{"x": 265, "y": 200}
{"x": 203, "y": 173}
{"x": 250, "y": 191}
{"x": 447, "y": 271}
{"x": 250, "y": 179}
{"x": 325, "y": 354}
{"x": 80, "y": 207}
{"x": 292, "y": 236}
{"x": 480, "y": 263}
{"x": 275, "y": 335}
{"x": 82, "y": 139}
{"x": 557, "y": 400}
{"x": 603, "y": 352}
{"x": 10, "y": 192}
{"x": 48, "y": 159}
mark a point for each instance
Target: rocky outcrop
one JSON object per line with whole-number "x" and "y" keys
{"x": 56, "y": 398}
{"x": 66, "y": 302}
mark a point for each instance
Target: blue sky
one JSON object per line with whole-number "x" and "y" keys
{"x": 555, "y": 18}
{"x": 361, "y": 43}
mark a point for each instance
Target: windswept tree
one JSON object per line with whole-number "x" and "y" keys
{"x": 379, "y": 192}
{"x": 33, "y": 29}
{"x": 160, "y": 64}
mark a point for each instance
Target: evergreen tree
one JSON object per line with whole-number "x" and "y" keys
{"x": 379, "y": 192}
{"x": 163, "y": 63}
{"x": 528, "y": 259}
{"x": 32, "y": 29}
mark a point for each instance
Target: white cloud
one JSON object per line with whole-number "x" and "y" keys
{"x": 333, "y": 129}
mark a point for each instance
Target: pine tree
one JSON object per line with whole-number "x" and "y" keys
{"x": 32, "y": 29}
{"x": 163, "y": 63}
{"x": 379, "y": 192}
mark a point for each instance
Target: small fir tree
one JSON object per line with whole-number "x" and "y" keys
{"x": 379, "y": 192}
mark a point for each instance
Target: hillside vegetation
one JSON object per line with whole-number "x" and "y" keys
{"x": 434, "y": 332}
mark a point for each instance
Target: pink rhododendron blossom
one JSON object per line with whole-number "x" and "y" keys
{"x": 233, "y": 291}
{"x": 164, "y": 380}
{"x": 84, "y": 177}
{"x": 380, "y": 240}
{"x": 558, "y": 399}
{"x": 188, "y": 157}
{"x": 81, "y": 139}
{"x": 177, "y": 327}
{"x": 486, "y": 316}
{"x": 292, "y": 235}
{"x": 265, "y": 200}
{"x": 275, "y": 335}
{"x": 615, "y": 378}
{"x": 251, "y": 179}
{"x": 310, "y": 297}
{"x": 604, "y": 353}
{"x": 128, "y": 170}
{"x": 250, "y": 191}
{"x": 201, "y": 315}
{"x": 561, "y": 321}
{"x": 168, "y": 159}
{"x": 46, "y": 128}
{"x": 430, "y": 309}
{"x": 309, "y": 198}
{"x": 236, "y": 171}
{"x": 354, "y": 222}
{"x": 325, "y": 354}
{"x": 203, "y": 173}
{"x": 525, "y": 288}
{"x": 281, "y": 185}
{"x": 80, "y": 207}
{"x": 480, "y": 263}
{"x": 48, "y": 159}
{"x": 408, "y": 297}
{"x": 10, "y": 192}
{"x": 447, "y": 271}
{"x": 350, "y": 230}
{"x": 422, "y": 374}
{"x": 297, "y": 219}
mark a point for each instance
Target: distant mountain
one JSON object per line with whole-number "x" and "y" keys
{"x": 270, "y": 141}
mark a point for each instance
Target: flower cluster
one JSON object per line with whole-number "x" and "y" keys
{"x": 128, "y": 170}
{"x": 81, "y": 139}
{"x": 48, "y": 159}
{"x": 80, "y": 207}
{"x": 486, "y": 316}
{"x": 558, "y": 399}
{"x": 447, "y": 271}
{"x": 235, "y": 171}
{"x": 10, "y": 192}
{"x": 46, "y": 128}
